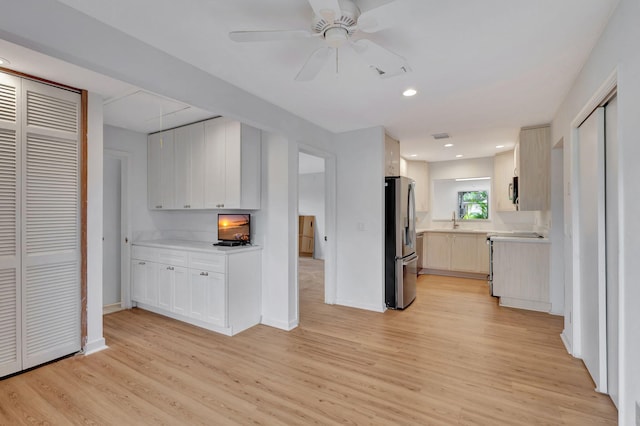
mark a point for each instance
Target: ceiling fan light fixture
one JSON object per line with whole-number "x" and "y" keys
{"x": 336, "y": 37}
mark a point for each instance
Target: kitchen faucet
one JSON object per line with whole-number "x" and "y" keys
{"x": 453, "y": 219}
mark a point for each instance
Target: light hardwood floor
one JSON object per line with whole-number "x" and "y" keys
{"x": 453, "y": 357}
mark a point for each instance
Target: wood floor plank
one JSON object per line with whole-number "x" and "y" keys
{"x": 454, "y": 357}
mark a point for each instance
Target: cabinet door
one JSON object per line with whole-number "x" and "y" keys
{"x": 214, "y": 153}
{"x": 165, "y": 283}
{"x": 534, "y": 169}
{"x": 138, "y": 280}
{"x": 438, "y": 250}
{"x": 189, "y": 166}
{"x": 216, "y": 299}
{"x": 392, "y": 156}
{"x": 199, "y": 294}
{"x": 483, "y": 253}
{"x": 464, "y": 253}
{"x": 233, "y": 161}
{"x": 160, "y": 171}
{"x": 151, "y": 284}
{"x": 181, "y": 300}
{"x": 504, "y": 169}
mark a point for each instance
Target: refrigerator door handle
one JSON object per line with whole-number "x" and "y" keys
{"x": 407, "y": 260}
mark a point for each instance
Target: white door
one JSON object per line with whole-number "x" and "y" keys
{"x": 611, "y": 147}
{"x": 139, "y": 280}
{"x": 199, "y": 294}
{"x": 216, "y": 299}
{"x": 166, "y": 275}
{"x": 10, "y": 325}
{"x": 112, "y": 230}
{"x": 214, "y": 172}
{"x": 181, "y": 291}
{"x": 591, "y": 223}
{"x": 51, "y": 227}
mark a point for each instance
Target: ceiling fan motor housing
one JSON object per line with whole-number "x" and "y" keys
{"x": 346, "y": 23}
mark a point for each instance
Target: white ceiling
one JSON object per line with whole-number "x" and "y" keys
{"x": 482, "y": 69}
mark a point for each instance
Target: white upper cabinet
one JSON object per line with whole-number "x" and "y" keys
{"x": 419, "y": 172}
{"x": 160, "y": 170}
{"x": 208, "y": 165}
{"x": 232, "y": 175}
{"x": 189, "y": 166}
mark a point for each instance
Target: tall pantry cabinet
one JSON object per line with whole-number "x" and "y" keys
{"x": 39, "y": 223}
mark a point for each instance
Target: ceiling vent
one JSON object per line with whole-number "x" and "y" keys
{"x": 440, "y": 136}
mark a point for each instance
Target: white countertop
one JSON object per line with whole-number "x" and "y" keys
{"x": 457, "y": 230}
{"x": 195, "y": 246}
{"x": 508, "y": 239}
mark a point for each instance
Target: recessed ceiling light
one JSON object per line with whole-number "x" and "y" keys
{"x": 459, "y": 156}
{"x": 499, "y": 146}
{"x": 409, "y": 92}
{"x": 413, "y": 155}
{"x": 448, "y": 145}
{"x": 4, "y": 61}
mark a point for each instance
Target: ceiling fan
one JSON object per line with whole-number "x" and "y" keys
{"x": 336, "y": 22}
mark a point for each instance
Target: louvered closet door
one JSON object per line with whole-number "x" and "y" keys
{"x": 10, "y": 355}
{"x": 51, "y": 225}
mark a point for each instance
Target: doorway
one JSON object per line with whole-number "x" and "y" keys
{"x": 115, "y": 270}
{"x": 311, "y": 229}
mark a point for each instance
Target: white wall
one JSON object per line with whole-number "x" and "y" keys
{"x": 616, "y": 50}
{"x": 557, "y": 261}
{"x": 311, "y": 203}
{"x": 498, "y": 221}
{"x": 95, "y": 339}
{"x": 111, "y": 267}
{"x": 361, "y": 219}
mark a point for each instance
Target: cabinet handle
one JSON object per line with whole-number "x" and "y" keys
{"x": 204, "y": 274}
{"x": 170, "y": 268}
{"x": 142, "y": 263}
{"x": 159, "y": 206}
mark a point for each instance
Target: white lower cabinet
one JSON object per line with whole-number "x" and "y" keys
{"x": 201, "y": 292}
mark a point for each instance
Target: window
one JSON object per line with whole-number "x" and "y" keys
{"x": 473, "y": 205}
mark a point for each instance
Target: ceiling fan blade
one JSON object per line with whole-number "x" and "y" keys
{"x": 327, "y": 9}
{"x": 248, "y": 36}
{"x": 380, "y": 18}
{"x": 384, "y": 62}
{"x": 314, "y": 64}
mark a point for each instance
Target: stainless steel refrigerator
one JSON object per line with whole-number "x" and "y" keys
{"x": 401, "y": 260}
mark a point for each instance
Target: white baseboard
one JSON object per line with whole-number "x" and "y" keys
{"x": 358, "y": 305}
{"x": 109, "y": 309}
{"x": 95, "y": 346}
{"x": 282, "y": 325}
{"x": 566, "y": 343}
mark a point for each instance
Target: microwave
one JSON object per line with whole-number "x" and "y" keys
{"x": 513, "y": 190}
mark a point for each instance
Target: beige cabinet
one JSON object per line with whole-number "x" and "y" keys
{"x": 391, "y": 156}
{"x": 503, "y": 173}
{"x": 437, "y": 250}
{"x": 419, "y": 172}
{"x": 533, "y": 165}
{"x": 456, "y": 251}
{"x": 521, "y": 274}
{"x": 464, "y": 253}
